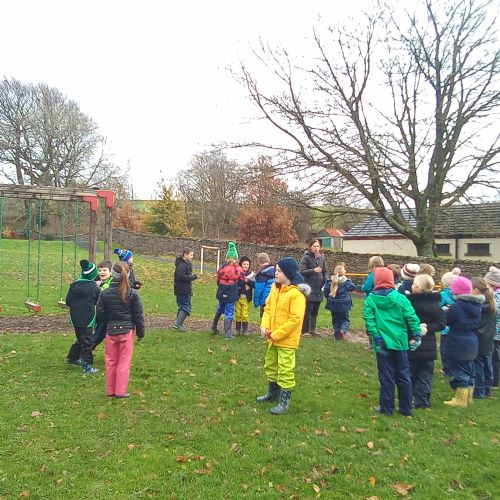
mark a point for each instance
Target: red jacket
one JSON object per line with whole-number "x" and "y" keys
{"x": 229, "y": 274}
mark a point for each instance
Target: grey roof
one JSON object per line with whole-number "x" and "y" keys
{"x": 481, "y": 220}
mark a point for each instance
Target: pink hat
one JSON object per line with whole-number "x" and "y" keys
{"x": 461, "y": 286}
{"x": 409, "y": 271}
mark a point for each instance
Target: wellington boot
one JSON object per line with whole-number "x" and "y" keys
{"x": 284, "y": 402}
{"x": 312, "y": 325}
{"x": 215, "y": 323}
{"x": 244, "y": 328}
{"x": 273, "y": 393}
{"x": 459, "y": 400}
{"x": 228, "y": 323}
{"x": 470, "y": 395}
{"x": 238, "y": 328}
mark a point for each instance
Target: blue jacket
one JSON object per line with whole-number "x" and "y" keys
{"x": 369, "y": 283}
{"x": 405, "y": 286}
{"x": 342, "y": 301}
{"x": 264, "y": 279}
{"x": 463, "y": 318}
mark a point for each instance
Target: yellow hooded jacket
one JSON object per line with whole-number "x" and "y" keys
{"x": 284, "y": 314}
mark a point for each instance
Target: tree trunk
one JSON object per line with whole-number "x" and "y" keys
{"x": 425, "y": 248}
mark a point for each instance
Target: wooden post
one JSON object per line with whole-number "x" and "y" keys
{"x": 108, "y": 232}
{"x": 201, "y": 260}
{"x": 92, "y": 235}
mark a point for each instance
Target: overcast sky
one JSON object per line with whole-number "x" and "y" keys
{"x": 153, "y": 74}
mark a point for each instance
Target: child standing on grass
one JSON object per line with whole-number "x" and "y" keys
{"x": 493, "y": 279}
{"x": 103, "y": 279}
{"x": 120, "y": 308}
{"x": 282, "y": 325}
{"x": 82, "y": 299}
{"x": 483, "y": 369}
{"x": 338, "y": 300}
{"x": 264, "y": 279}
{"x": 127, "y": 256}
{"x": 432, "y": 320}
{"x": 463, "y": 318}
{"x": 386, "y": 313}
{"x": 244, "y": 297}
{"x": 183, "y": 287}
{"x": 408, "y": 273}
{"x": 228, "y": 277}
{"x": 374, "y": 262}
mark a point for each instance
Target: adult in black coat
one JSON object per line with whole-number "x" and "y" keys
{"x": 432, "y": 320}
{"x": 313, "y": 268}
{"x": 183, "y": 287}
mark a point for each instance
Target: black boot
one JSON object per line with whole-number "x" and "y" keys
{"x": 179, "y": 322}
{"x": 272, "y": 393}
{"x": 215, "y": 323}
{"x": 284, "y": 401}
{"x": 312, "y": 325}
{"x": 228, "y": 323}
{"x": 238, "y": 327}
{"x": 244, "y": 327}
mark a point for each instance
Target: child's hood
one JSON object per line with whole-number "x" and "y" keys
{"x": 266, "y": 270}
{"x": 385, "y": 298}
{"x": 82, "y": 287}
{"x": 304, "y": 288}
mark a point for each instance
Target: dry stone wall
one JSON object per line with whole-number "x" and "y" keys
{"x": 149, "y": 244}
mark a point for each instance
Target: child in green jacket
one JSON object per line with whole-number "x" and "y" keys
{"x": 386, "y": 313}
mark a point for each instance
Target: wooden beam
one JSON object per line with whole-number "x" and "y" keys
{"x": 92, "y": 235}
{"x": 108, "y": 232}
{"x": 33, "y": 306}
{"x": 42, "y": 191}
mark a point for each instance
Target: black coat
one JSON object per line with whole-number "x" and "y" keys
{"x": 315, "y": 280}
{"x": 183, "y": 277}
{"x": 426, "y": 305}
{"x": 81, "y": 299}
{"x": 121, "y": 317}
{"x": 487, "y": 329}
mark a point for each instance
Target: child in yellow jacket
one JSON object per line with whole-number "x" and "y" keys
{"x": 281, "y": 325}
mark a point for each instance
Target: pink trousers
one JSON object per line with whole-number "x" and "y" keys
{"x": 119, "y": 350}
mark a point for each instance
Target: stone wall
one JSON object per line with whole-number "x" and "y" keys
{"x": 355, "y": 263}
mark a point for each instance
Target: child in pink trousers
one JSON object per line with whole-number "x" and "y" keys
{"x": 120, "y": 307}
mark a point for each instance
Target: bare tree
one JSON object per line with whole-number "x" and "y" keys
{"x": 46, "y": 140}
{"x": 398, "y": 113}
{"x": 211, "y": 188}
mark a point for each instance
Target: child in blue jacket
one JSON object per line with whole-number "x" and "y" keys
{"x": 264, "y": 279}
{"x": 338, "y": 300}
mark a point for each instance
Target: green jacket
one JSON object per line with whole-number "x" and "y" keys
{"x": 390, "y": 315}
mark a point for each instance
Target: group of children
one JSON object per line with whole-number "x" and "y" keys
{"x": 104, "y": 303}
{"x": 403, "y": 313}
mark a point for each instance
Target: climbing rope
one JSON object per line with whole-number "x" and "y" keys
{"x": 30, "y": 216}
{"x": 40, "y": 219}
{"x": 77, "y": 220}
{"x": 63, "y": 234}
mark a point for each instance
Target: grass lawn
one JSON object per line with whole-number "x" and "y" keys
{"x": 193, "y": 429}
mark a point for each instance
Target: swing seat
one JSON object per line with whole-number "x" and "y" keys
{"x": 33, "y": 306}
{"x": 62, "y": 304}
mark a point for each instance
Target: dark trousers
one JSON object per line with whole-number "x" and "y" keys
{"x": 340, "y": 321}
{"x": 421, "y": 371}
{"x": 183, "y": 303}
{"x": 444, "y": 359}
{"x": 99, "y": 334}
{"x": 394, "y": 370}
{"x": 82, "y": 348}
{"x": 312, "y": 310}
{"x": 461, "y": 373}
{"x": 495, "y": 361}
{"x": 483, "y": 375}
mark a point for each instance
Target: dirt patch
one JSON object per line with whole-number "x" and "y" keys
{"x": 57, "y": 323}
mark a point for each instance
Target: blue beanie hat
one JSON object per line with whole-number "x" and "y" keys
{"x": 124, "y": 255}
{"x": 290, "y": 267}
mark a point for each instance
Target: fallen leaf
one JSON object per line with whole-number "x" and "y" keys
{"x": 327, "y": 415}
{"x": 448, "y": 442}
{"x": 456, "y": 485}
{"x": 244, "y": 487}
{"x": 210, "y": 351}
{"x": 131, "y": 446}
{"x": 343, "y": 429}
{"x": 361, "y": 395}
{"x": 180, "y": 459}
{"x": 233, "y": 361}
{"x": 101, "y": 415}
{"x": 329, "y": 451}
{"x": 360, "y": 430}
{"x": 402, "y": 488}
{"x": 36, "y": 414}
{"x": 370, "y": 445}
{"x": 316, "y": 488}
{"x": 494, "y": 440}
{"x": 372, "y": 480}
{"x": 241, "y": 402}
{"x": 24, "y": 494}
{"x": 372, "y": 498}
{"x": 404, "y": 460}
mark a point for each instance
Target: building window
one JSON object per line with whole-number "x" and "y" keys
{"x": 443, "y": 248}
{"x": 478, "y": 249}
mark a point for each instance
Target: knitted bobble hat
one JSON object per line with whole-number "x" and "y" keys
{"x": 124, "y": 255}
{"x": 89, "y": 271}
{"x": 409, "y": 271}
{"x": 232, "y": 253}
{"x": 290, "y": 269}
{"x": 448, "y": 278}
{"x": 492, "y": 277}
{"x": 461, "y": 286}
